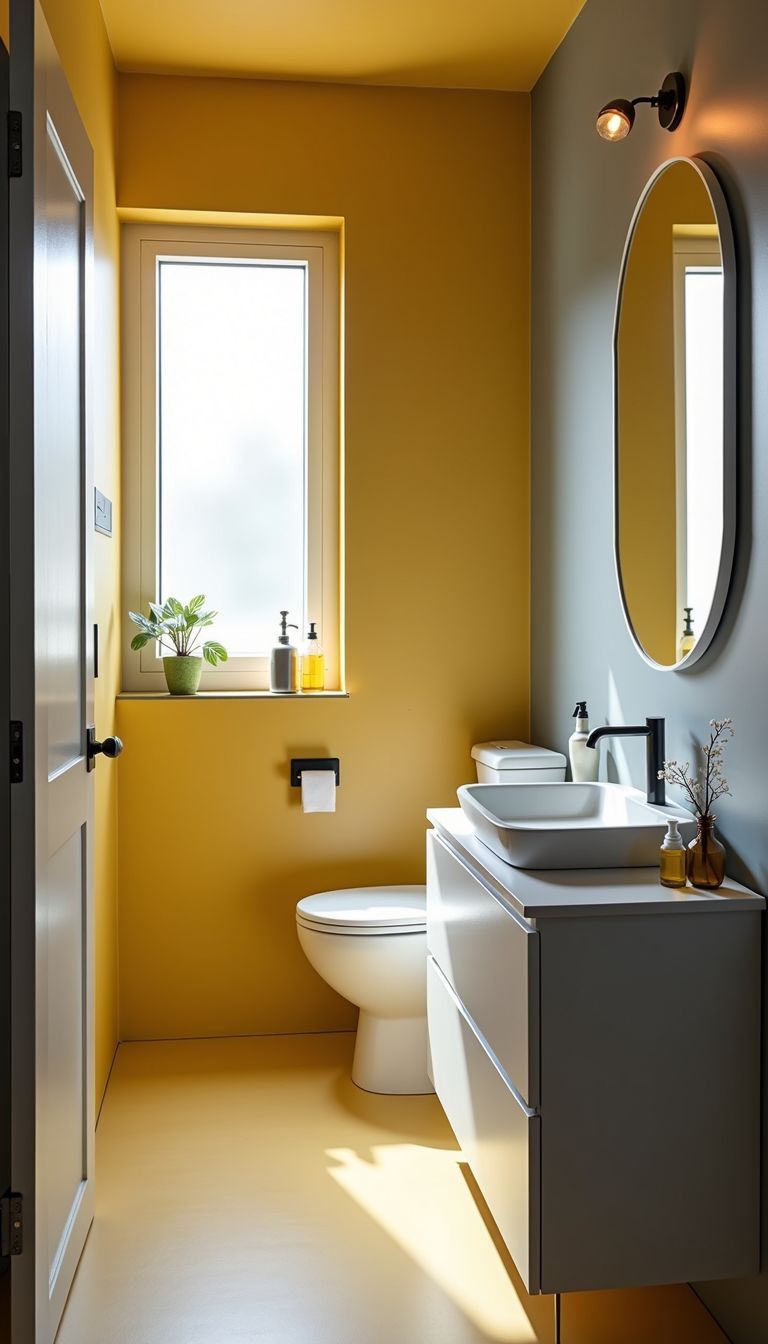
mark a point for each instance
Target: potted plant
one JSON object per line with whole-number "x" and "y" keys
{"x": 178, "y": 627}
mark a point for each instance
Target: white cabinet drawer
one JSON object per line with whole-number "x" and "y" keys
{"x": 498, "y": 1134}
{"x": 490, "y": 957}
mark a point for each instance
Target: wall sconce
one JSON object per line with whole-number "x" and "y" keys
{"x": 616, "y": 119}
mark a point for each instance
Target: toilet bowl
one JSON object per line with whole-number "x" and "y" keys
{"x": 370, "y": 945}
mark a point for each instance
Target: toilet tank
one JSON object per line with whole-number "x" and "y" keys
{"x": 517, "y": 763}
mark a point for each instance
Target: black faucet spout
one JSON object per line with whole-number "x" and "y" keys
{"x": 653, "y": 732}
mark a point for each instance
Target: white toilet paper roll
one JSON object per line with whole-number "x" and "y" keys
{"x": 318, "y": 790}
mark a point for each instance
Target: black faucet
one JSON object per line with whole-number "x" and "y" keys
{"x": 653, "y": 732}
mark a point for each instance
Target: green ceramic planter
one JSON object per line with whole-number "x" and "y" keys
{"x": 183, "y": 674}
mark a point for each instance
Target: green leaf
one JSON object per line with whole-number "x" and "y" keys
{"x": 148, "y": 628}
{"x": 139, "y": 641}
{"x": 196, "y": 602}
{"x": 157, "y": 611}
{"x": 175, "y": 606}
{"x": 214, "y": 653}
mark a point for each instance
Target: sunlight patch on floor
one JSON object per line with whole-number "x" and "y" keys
{"x": 420, "y": 1198}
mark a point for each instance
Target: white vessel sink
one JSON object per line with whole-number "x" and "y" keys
{"x": 570, "y": 825}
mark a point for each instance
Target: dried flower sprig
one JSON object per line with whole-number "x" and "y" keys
{"x": 704, "y": 788}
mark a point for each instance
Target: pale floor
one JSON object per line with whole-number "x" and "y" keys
{"x": 248, "y": 1193}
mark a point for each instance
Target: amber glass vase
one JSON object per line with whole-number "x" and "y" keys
{"x": 705, "y": 857}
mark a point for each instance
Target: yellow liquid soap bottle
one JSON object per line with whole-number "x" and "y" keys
{"x": 312, "y": 662}
{"x": 672, "y": 857}
{"x": 688, "y": 638}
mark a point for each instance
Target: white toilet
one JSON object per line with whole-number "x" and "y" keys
{"x": 370, "y": 944}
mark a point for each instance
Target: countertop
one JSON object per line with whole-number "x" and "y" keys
{"x": 546, "y": 893}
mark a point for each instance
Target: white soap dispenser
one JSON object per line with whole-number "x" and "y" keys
{"x": 688, "y": 639}
{"x": 284, "y": 661}
{"x": 585, "y": 761}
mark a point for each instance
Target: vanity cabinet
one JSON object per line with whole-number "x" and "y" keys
{"x": 595, "y": 1043}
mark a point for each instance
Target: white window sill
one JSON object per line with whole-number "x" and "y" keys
{"x": 236, "y": 695}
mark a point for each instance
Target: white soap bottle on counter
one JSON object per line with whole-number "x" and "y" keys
{"x": 585, "y": 761}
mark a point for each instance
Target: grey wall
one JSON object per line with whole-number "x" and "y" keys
{"x": 584, "y": 194}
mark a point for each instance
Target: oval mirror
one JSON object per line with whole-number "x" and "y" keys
{"x": 675, "y": 431}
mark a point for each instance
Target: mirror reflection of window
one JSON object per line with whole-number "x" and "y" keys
{"x": 698, "y": 312}
{"x": 674, "y": 368}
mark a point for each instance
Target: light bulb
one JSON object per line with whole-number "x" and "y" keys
{"x": 615, "y": 120}
{"x": 612, "y": 126}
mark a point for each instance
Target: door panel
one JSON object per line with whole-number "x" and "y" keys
{"x": 51, "y": 682}
{"x": 64, "y": 1119}
{"x": 59, "y": 518}
{"x": 64, "y": 696}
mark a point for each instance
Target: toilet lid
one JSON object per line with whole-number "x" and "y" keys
{"x": 366, "y": 910}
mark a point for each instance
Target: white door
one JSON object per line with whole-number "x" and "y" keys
{"x": 51, "y": 682}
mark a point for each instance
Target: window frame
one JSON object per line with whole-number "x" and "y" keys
{"x": 143, "y": 246}
{"x": 698, "y": 250}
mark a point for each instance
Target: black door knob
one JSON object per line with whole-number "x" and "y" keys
{"x": 110, "y": 747}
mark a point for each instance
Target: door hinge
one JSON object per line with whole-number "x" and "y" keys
{"x": 16, "y": 760}
{"x": 14, "y": 144}
{"x": 11, "y": 1224}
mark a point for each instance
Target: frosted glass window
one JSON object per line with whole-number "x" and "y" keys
{"x": 232, "y": 417}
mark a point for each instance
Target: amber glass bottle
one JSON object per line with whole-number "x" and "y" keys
{"x": 705, "y": 857}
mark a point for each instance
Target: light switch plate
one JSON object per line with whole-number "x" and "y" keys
{"x": 102, "y": 513}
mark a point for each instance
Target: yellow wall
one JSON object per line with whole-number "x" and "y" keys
{"x": 214, "y": 850}
{"x": 80, "y": 37}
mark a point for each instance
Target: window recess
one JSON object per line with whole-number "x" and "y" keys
{"x": 232, "y": 439}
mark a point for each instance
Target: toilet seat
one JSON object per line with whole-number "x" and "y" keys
{"x": 365, "y": 911}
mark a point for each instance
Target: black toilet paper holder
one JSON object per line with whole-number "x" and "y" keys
{"x": 300, "y": 763}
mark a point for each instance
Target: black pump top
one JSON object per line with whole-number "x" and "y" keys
{"x": 580, "y": 712}
{"x": 688, "y": 629}
{"x": 285, "y": 627}
{"x": 312, "y": 631}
